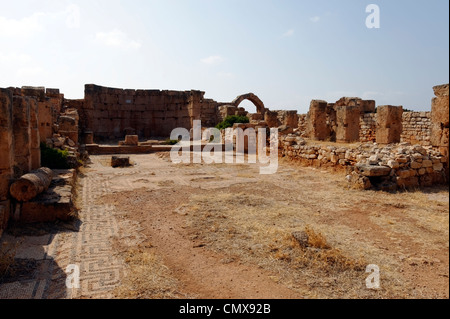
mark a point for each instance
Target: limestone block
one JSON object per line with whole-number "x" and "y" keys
{"x": 389, "y": 124}
{"x": 317, "y": 121}
{"x": 120, "y": 161}
{"x": 348, "y": 123}
{"x": 132, "y": 140}
{"x": 373, "y": 171}
{"x": 368, "y": 106}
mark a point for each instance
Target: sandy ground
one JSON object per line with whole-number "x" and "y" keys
{"x": 160, "y": 230}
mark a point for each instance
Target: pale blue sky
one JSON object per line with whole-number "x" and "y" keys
{"x": 286, "y": 52}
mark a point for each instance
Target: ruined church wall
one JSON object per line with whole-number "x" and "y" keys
{"x": 108, "y": 113}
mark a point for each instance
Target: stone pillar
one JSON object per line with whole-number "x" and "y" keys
{"x": 317, "y": 121}
{"x": 440, "y": 121}
{"x": 389, "y": 124}
{"x": 35, "y": 137}
{"x": 348, "y": 123}
{"x": 194, "y": 107}
{"x": 21, "y": 135}
{"x": 6, "y": 155}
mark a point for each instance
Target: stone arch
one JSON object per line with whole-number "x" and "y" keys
{"x": 252, "y": 98}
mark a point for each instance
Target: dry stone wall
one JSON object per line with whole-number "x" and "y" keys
{"x": 417, "y": 128}
{"x": 391, "y": 167}
{"x": 368, "y": 128}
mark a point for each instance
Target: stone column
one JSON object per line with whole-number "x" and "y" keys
{"x": 317, "y": 121}
{"x": 348, "y": 123}
{"x": 21, "y": 135}
{"x": 389, "y": 124}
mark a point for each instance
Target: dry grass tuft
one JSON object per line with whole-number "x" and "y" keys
{"x": 316, "y": 240}
{"x": 146, "y": 277}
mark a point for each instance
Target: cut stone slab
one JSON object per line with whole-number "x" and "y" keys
{"x": 373, "y": 171}
{"x": 120, "y": 161}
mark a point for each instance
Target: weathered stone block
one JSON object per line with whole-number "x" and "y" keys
{"x": 132, "y": 140}
{"x": 120, "y": 161}
{"x": 318, "y": 128}
{"x": 271, "y": 118}
{"x": 368, "y": 106}
{"x": 389, "y": 124}
{"x": 373, "y": 171}
{"x": 348, "y": 123}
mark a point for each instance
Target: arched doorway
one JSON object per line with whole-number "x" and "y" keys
{"x": 252, "y": 98}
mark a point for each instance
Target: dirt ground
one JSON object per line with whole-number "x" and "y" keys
{"x": 160, "y": 230}
{"x": 224, "y": 231}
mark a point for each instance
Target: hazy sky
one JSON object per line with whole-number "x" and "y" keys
{"x": 286, "y": 52}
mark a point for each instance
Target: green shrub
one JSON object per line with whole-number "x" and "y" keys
{"x": 171, "y": 142}
{"x": 231, "y": 120}
{"x": 54, "y": 158}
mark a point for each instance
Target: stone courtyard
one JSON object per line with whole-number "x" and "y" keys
{"x": 371, "y": 179}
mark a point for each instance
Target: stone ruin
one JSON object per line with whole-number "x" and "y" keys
{"x": 399, "y": 149}
{"x": 30, "y": 116}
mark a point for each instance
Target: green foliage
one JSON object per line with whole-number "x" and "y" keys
{"x": 171, "y": 142}
{"x": 54, "y": 158}
{"x": 231, "y": 120}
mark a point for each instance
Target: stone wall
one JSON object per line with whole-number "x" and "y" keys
{"x": 368, "y": 128}
{"x": 19, "y": 140}
{"x": 27, "y": 118}
{"x": 417, "y": 128}
{"x": 288, "y": 118}
{"x": 303, "y": 124}
{"x": 109, "y": 112}
{"x": 440, "y": 120}
{"x": 392, "y": 167}
{"x": 6, "y": 154}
